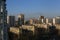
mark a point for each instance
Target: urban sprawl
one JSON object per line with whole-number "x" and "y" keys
{"x": 33, "y": 29}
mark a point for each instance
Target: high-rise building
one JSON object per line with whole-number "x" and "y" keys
{"x": 11, "y": 20}
{"x": 41, "y": 18}
{"x": 54, "y": 21}
{"x": 3, "y": 20}
{"x": 21, "y": 19}
{"x": 57, "y": 20}
{"x": 49, "y": 20}
{"x": 46, "y": 20}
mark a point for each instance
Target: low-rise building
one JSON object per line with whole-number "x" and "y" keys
{"x": 41, "y": 25}
{"x": 28, "y": 27}
{"x": 14, "y": 33}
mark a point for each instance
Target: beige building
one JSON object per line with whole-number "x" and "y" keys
{"x": 14, "y": 33}
{"x": 46, "y": 20}
{"x": 41, "y": 25}
{"x": 14, "y": 30}
{"x": 28, "y": 27}
{"x": 54, "y": 21}
{"x": 31, "y": 21}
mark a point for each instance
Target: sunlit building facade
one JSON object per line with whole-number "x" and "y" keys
{"x": 41, "y": 19}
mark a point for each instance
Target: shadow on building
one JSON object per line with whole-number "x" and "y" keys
{"x": 39, "y": 34}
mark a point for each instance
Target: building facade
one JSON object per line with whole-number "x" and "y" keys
{"x": 11, "y": 20}
{"x": 41, "y": 19}
{"x": 3, "y": 20}
{"x": 57, "y": 20}
{"x": 53, "y": 21}
{"x": 21, "y": 19}
{"x": 31, "y": 21}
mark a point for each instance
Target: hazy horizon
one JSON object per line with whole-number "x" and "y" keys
{"x": 34, "y": 8}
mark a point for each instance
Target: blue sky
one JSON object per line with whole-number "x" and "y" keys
{"x": 34, "y": 8}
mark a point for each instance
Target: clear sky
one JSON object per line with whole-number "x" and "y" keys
{"x": 34, "y": 8}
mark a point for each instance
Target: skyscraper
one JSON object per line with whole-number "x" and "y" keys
{"x": 11, "y": 20}
{"x": 3, "y": 20}
{"x": 21, "y": 19}
{"x": 41, "y": 19}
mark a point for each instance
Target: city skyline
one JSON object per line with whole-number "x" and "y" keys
{"x": 15, "y": 25}
{"x": 34, "y": 8}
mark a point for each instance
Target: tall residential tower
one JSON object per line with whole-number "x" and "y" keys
{"x": 21, "y": 19}
{"x": 11, "y": 21}
{"x": 3, "y": 20}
